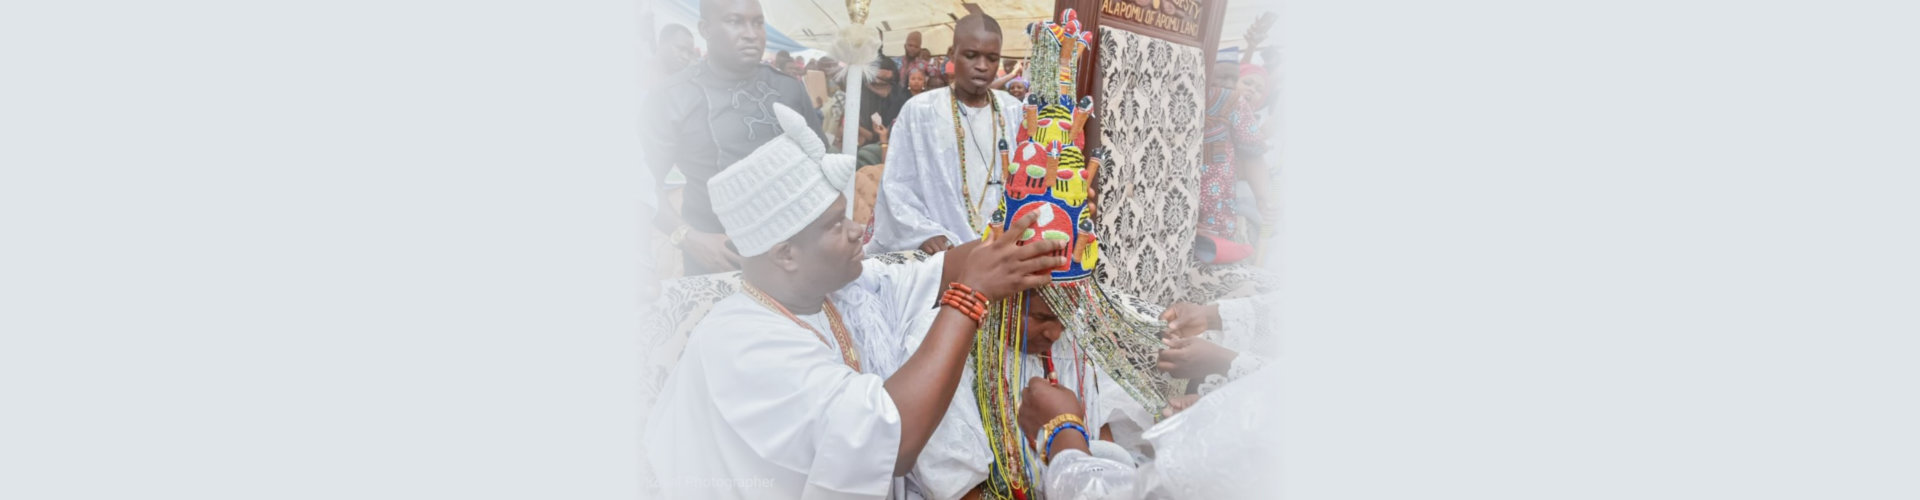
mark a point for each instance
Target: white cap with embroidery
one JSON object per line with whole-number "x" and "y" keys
{"x": 780, "y": 188}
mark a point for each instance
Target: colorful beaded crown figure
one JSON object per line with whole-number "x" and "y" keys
{"x": 1049, "y": 173}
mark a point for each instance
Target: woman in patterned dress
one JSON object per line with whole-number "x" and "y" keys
{"x": 1232, "y": 143}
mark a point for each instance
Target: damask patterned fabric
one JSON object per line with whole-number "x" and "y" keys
{"x": 1209, "y": 284}
{"x": 1151, "y": 120}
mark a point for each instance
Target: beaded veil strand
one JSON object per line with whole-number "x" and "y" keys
{"x": 1051, "y": 175}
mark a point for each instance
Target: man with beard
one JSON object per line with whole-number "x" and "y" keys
{"x": 911, "y": 57}
{"x": 801, "y": 385}
{"x": 944, "y": 163}
{"x": 711, "y": 115}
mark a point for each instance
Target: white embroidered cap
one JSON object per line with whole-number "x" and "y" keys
{"x": 786, "y": 184}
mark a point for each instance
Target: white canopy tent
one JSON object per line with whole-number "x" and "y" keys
{"x": 813, "y": 22}
{"x": 811, "y": 27}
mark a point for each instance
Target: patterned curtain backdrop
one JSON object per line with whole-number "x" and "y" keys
{"x": 1151, "y": 121}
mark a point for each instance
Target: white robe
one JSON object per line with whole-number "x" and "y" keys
{"x": 919, "y": 195}
{"x": 958, "y": 456}
{"x": 1221, "y": 447}
{"x": 1245, "y": 330}
{"x": 759, "y": 407}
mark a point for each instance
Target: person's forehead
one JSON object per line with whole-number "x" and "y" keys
{"x": 1037, "y": 304}
{"x": 977, "y": 36}
{"x": 741, "y": 7}
{"x": 819, "y": 224}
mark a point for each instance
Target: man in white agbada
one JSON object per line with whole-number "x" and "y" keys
{"x": 1186, "y": 455}
{"x": 1222, "y": 447}
{"x": 934, "y": 159}
{"x": 958, "y": 458}
{"x": 1219, "y": 446}
{"x": 795, "y": 387}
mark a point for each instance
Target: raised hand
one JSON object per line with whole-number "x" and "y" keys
{"x": 1257, "y": 34}
{"x": 935, "y": 245}
{"x": 1041, "y": 401}
{"x": 1180, "y": 403}
{"x": 1186, "y": 319}
{"x": 1195, "y": 358}
{"x": 1003, "y": 266}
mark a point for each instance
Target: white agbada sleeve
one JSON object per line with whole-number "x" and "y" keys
{"x": 910, "y": 289}
{"x": 793, "y": 402}
{"x": 1241, "y": 332}
{"x": 1221, "y": 447}
{"x": 1239, "y": 323}
{"x": 879, "y": 304}
{"x": 956, "y": 457}
{"x": 1076, "y": 475}
{"x": 901, "y": 214}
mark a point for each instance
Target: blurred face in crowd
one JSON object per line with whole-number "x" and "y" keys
{"x": 1018, "y": 89}
{"x": 1224, "y": 78}
{"x": 1254, "y": 89}
{"x": 976, "y": 57}
{"x": 677, "y": 51}
{"x": 736, "y": 32}
{"x": 913, "y": 45}
{"x": 917, "y": 82}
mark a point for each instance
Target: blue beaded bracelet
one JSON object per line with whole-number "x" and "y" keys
{"x": 1056, "y": 432}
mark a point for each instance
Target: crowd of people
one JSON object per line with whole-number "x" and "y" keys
{"x": 834, "y": 377}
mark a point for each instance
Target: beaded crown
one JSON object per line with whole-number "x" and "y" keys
{"x": 1048, "y": 171}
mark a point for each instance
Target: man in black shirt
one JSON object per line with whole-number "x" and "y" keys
{"x": 712, "y": 115}
{"x": 884, "y": 94}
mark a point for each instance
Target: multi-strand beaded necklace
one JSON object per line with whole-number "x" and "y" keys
{"x": 999, "y": 374}
{"x": 840, "y": 334}
{"x": 996, "y": 369}
{"x": 960, "y": 142}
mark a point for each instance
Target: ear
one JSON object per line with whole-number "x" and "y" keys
{"x": 784, "y": 256}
